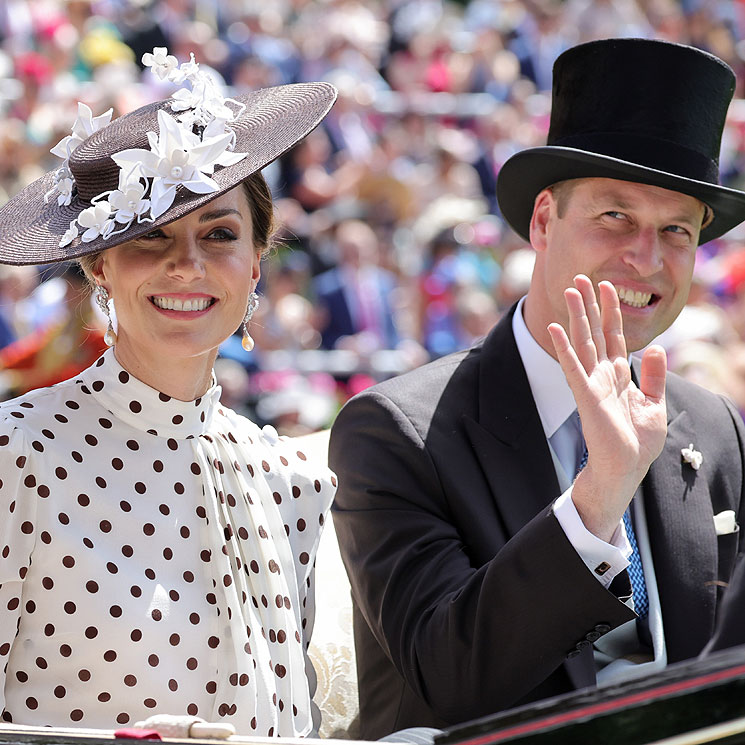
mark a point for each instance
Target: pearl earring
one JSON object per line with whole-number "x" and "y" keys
{"x": 102, "y": 300}
{"x": 253, "y": 303}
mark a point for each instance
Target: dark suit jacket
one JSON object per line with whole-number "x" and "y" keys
{"x": 468, "y": 596}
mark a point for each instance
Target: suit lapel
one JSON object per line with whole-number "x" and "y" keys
{"x": 683, "y": 541}
{"x": 508, "y": 437}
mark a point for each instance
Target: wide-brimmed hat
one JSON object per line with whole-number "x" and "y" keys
{"x": 121, "y": 179}
{"x": 638, "y": 110}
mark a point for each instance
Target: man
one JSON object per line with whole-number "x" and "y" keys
{"x": 484, "y": 574}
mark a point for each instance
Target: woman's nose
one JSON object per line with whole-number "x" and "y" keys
{"x": 185, "y": 260}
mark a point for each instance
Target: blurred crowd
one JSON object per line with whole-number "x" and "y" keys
{"x": 392, "y": 250}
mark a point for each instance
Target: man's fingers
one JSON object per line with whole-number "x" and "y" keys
{"x": 592, "y": 310}
{"x": 654, "y": 367}
{"x": 579, "y": 329}
{"x": 570, "y": 364}
{"x": 612, "y": 321}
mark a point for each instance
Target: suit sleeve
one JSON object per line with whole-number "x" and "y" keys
{"x": 470, "y": 638}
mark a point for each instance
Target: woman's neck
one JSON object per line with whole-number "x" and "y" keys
{"x": 182, "y": 378}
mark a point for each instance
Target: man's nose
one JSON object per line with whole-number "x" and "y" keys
{"x": 644, "y": 252}
{"x": 185, "y": 260}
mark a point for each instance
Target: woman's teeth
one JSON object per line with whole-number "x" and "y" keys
{"x": 633, "y": 298}
{"x": 172, "y": 303}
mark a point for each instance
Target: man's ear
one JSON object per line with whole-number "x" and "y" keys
{"x": 543, "y": 208}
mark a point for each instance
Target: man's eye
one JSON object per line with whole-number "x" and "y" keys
{"x": 676, "y": 229}
{"x": 615, "y": 215}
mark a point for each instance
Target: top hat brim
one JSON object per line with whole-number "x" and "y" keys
{"x": 274, "y": 120}
{"x": 527, "y": 173}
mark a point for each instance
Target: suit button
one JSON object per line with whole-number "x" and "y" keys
{"x": 584, "y": 644}
{"x": 572, "y": 653}
{"x": 593, "y": 636}
{"x": 602, "y": 628}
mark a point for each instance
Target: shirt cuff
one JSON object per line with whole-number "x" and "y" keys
{"x": 604, "y": 560}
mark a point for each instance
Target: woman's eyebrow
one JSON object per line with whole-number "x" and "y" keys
{"x": 216, "y": 214}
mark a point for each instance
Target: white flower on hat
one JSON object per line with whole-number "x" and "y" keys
{"x": 70, "y": 234}
{"x": 64, "y": 189}
{"x": 128, "y": 200}
{"x": 96, "y": 220}
{"x": 85, "y": 125}
{"x": 177, "y": 158}
{"x": 161, "y": 63}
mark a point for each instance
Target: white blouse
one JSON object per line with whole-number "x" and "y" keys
{"x": 157, "y": 557}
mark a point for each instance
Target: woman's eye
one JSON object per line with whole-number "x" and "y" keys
{"x": 222, "y": 234}
{"x": 154, "y": 234}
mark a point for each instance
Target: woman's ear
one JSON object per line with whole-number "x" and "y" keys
{"x": 543, "y": 208}
{"x": 98, "y": 271}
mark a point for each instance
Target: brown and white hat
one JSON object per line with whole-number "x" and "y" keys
{"x": 121, "y": 179}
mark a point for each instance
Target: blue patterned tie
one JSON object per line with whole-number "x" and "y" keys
{"x": 636, "y": 573}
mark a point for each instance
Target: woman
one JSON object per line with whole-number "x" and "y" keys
{"x": 157, "y": 549}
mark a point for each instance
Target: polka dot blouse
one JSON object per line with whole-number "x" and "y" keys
{"x": 157, "y": 557}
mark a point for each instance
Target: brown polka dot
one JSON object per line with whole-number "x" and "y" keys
{"x": 167, "y": 553}
{"x": 27, "y": 527}
{"x": 136, "y": 592}
{"x": 68, "y": 561}
{"x": 105, "y": 423}
{"x": 140, "y": 488}
{"x": 91, "y": 440}
{"x": 130, "y": 680}
{"x": 127, "y": 550}
{"x": 109, "y": 655}
{"x": 32, "y": 703}
{"x": 301, "y": 525}
{"x": 277, "y": 497}
{"x": 178, "y": 487}
{"x": 122, "y": 718}
{"x": 76, "y": 715}
{"x": 192, "y": 709}
{"x": 157, "y": 466}
{"x": 149, "y": 573}
{"x": 135, "y": 635}
{"x": 105, "y": 526}
{"x": 76, "y": 456}
{"x": 266, "y": 466}
{"x": 301, "y": 455}
{"x": 60, "y": 473}
{"x": 117, "y": 464}
{"x": 59, "y": 691}
{"x": 101, "y": 482}
{"x": 84, "y": 675}
{"x": 91, "y": 632}
{"x": 195, "y": 469}
{"x": 296, "y": 492}
{"x": 164, "y": 509}
{"x": 21, "y": 676}
{"x": 194, "y": 618}
{"x": 70, "y": 607}
{"x": 87, "y": 542}
{"x": 172, "y": 444}
{"x": 115, "y": 611}
{"x": 153, "y": 660}
{"x": 41, "y": 663}
{"x": 36, "y": 445}
{"x": 150, "y": 703}
{"x": 174, "y": 640}
{"x": 148, "y": 529}
{"x": 156, "y": 614}
{"x": 188, "y": 576}
{"x": 45, "y": 537}
{"x": 192, "y": 663}
{"x": 91, "y": 586}
{"x": 104, "y": 697}
{"x": 43, "y": 491}
{"x": 47, "y": 583}
{"x": 48, "y": 630}
{"x": 304, "y": 558}
{"x": 84, "y": 500}
{"x": 112, "y": 568}
{"x": 173, "y": 684}
{"x": 210, "y": 686}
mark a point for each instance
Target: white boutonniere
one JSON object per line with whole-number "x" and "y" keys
{"x": 692, "y": 456}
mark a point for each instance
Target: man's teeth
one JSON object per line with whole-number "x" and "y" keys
{"x": 172, "y": 303}
{"x": 634, "y": 298}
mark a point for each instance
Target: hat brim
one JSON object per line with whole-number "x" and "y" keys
{"x": 274, "y": 120}
{"x": 528, "y": 172}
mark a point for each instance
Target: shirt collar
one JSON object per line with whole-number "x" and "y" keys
{"x": 551, "y": 392}
{"x": 144, "y": 408}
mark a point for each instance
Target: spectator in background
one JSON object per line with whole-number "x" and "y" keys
{"x": 355, "y": 296}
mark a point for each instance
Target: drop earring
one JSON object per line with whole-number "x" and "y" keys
{"x": 253, "y": 303}
{"x": 102, "y": 300}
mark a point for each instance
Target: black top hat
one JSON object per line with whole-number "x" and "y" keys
{"x": 637, "y": 110}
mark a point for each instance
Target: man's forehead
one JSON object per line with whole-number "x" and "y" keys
{"x": 630, "y": 193}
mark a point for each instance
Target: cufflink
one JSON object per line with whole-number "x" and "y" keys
{"x": 602, "y": 568}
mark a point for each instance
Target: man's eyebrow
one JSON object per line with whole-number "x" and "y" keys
{"x": 216, "y": 214}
